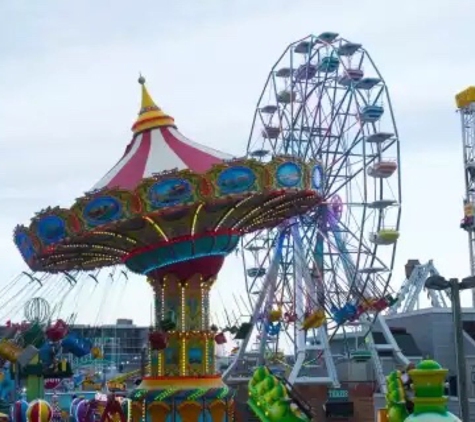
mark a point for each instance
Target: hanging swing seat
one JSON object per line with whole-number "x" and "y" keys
{"x": 290, "y": 317}
{"x": 381, "y": 304}
{"x": 275, "y": 315}
{"x": 158, "y": 340}
{"x": 220, "y": 338}
{"x": 392, "y": 300}
{"x": 168, "y": 323}
{"x": 233, "y": 329}
{"x": 243, "y": 331}
{"x": 360, "y": 355}
{"x": 385, "y": 237}
{"x": 315, "y": 320}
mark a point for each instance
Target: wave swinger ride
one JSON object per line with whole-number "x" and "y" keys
{"x": 175, "y": 226}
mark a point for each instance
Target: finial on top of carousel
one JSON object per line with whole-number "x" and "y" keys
{"x": 150, "y": 115}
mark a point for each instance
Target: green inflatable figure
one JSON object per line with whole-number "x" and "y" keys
{"x": 270, "y": 401}
{"x": 430, "y": 404}
{"x": 395, "y": 398}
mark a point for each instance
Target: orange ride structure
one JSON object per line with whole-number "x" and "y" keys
{"x": 171, "y": 210}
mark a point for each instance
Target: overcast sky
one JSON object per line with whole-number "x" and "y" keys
{"x": 68, "y": 96}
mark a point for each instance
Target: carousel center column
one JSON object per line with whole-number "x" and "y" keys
{"x": 182, "y": 315}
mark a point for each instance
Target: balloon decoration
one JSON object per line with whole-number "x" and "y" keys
{"x": 83, "y": 413}
{"x": 39, "y": 411}
{"x": 74, "y": 404}
{"x": 18, "y": 411}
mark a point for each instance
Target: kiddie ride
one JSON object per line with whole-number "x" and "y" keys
{"x": 38, "y": 351}
{"x": 272, "y": 400}
{"x": 428, "y": 404}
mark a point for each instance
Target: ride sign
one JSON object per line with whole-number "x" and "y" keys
{"x": 338, "y": 394}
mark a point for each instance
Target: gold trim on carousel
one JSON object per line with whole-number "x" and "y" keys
{"x": 150, "y": 383}
{"x": 156, "y": 227}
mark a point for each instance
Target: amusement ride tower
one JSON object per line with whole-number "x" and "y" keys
{"x": 465, "y": 101}
{"x": 174, "y": 226}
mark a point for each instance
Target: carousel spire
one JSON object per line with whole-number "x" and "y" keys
{"x": 150, "y": 115}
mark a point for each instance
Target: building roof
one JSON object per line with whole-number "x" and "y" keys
{"x": 404, "y": 340}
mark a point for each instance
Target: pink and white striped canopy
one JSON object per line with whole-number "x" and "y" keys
{"x": 157, "y": 150}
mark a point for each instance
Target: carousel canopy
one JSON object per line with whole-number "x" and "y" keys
{"x": 157, "y": 146}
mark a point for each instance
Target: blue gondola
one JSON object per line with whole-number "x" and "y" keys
{"x": 76, "y": 345}
{"x": 46, "y": 354}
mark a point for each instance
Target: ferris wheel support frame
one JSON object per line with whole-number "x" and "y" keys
{"x": 264, "y": 306}
{"x": 304, "y": 278}
{"x": 271, "y": 278}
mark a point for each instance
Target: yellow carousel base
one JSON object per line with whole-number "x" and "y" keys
{"x": 181, "y": 399}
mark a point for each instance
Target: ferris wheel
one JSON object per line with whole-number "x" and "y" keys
{"x": 326, "y": 101}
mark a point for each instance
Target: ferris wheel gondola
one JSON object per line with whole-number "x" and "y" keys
{"x": 326, "y": 101}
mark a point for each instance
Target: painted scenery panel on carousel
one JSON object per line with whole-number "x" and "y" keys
{"x": 102, "y": 210}
{"x": 289, "y": 175}
{"x": 235, "y": 180}
{"x": 195, "y": 357}
{"x": 24, "y": 245}
{"x": 169, "y": 193}
{"x": 210, "y": 346}
{"x": 193, "y": 311}
{"x": 51, "y": 229}
{"x": 172, "y": 358}
{"x": 317, "y": 178}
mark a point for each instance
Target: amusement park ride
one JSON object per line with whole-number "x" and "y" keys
{"x": 325, "y": 101}
{"x": 314, "y": 209}
{"x": 175, "y": 227}
{"x": 465, "y": 101}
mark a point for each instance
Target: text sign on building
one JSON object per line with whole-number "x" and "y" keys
{"x": 338, "y": 394}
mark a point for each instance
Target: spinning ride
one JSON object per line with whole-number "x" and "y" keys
{"x": 325, "y": 100}
{"x": 175, "y": 227}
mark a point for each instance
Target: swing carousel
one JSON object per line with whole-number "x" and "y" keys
{"x": 171, "y": 210}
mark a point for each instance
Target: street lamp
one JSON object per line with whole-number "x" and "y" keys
{"x": 437, "y": 282}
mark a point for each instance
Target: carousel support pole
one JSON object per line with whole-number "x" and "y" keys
{"x": 157, "y": 313}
